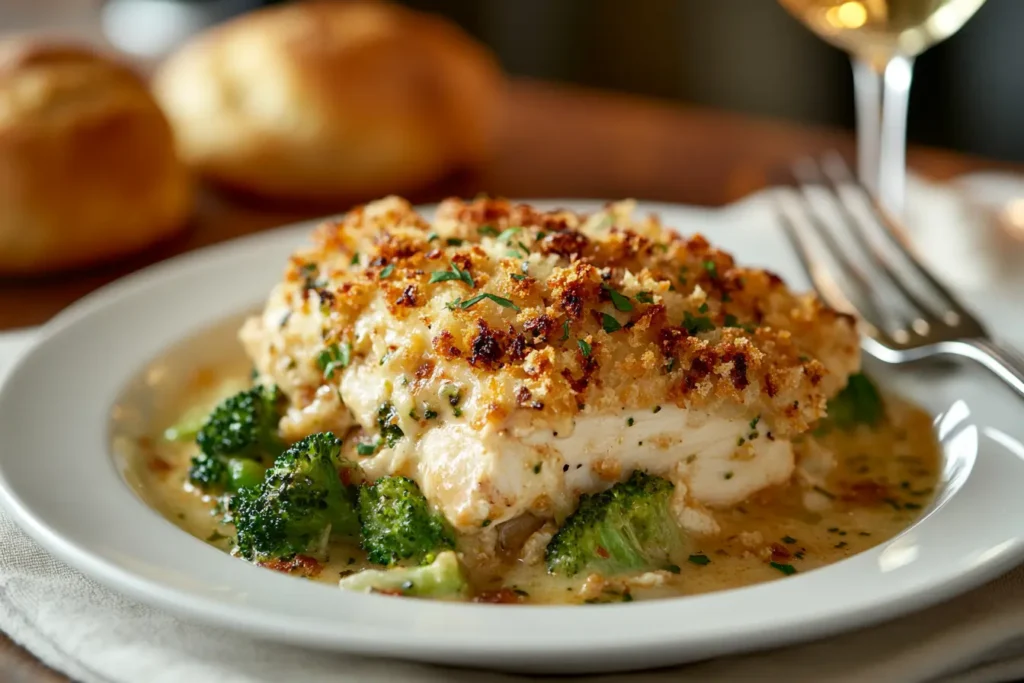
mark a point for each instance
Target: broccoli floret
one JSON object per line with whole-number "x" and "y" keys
{"x": 300, "y": 503}
{"x": 442, "y": 578}
{"x": 858, "y": 403}
{"x": 399, "y": 524}
{"x": 244, "y": 426}
{"x": 208, "y": 472}
{"x": 629, "y": 527}
{"x": 236, "y": 441}
{"x": 211, "y": 473}
{"x": 187, "y": 426}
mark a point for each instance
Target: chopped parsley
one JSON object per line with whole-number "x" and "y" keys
{"x": 429, "y": 414}
{"x": 700, "y": 559}
{"x": 788, "y": 540}
{"x": 451, "y": 393}
{"x": 673, "y": 569}
{"x": 518, "y": 276}
{"x": 733, "y": 321}
{"x": 753, "y": 423}
{"x": 488, "y": 230}
{"x": 455, "y": 273}
{"x": 697, "y": 324}
{"x": 334, "y": 357}
{"x": 712, "y": 269}
{"x": 367, "y": 448}
{"x": 657, "y": 409}
{"x": 454, "y": 242}
{"x": 536, "y": 468}
{"x": 630, "y": 422}
{"x": 486, "y": 522}
{"x": 620, "y": 301}
{"x": 501, "y": 301}
{"x": 388, "y": 269}
{"x": 507, "y": 234}
{"x": 609, "y": 323}
{"x": 355, "y": 259}
{"x": 645, "y": 297}
{"x": 786, "y": 569}
{"x": 565, "y": 330}
{"x": 703, "y": 308}
{"x": 432, "y": 236}
{"x": 584, "y": 348}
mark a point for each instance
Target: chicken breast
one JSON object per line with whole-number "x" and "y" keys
{"x": 509, "y": 360}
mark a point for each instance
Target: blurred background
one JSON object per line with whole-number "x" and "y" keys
{"x": 742, "y": 55}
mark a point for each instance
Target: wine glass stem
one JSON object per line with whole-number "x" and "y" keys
{"x": 882, "y": 95}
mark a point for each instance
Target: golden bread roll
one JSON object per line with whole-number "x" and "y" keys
{"x": 331, "y": 100}
{"x": 88, "y": 167}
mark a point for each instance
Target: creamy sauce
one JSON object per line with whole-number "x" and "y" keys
{"x": 858, "y": 489}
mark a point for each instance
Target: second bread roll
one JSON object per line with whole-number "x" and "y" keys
{"x": 331, "y": 100}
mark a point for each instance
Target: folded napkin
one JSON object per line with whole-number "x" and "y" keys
{"x": 94, "y": 635}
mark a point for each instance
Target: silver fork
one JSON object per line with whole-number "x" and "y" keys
{"x": 907, "y": 314}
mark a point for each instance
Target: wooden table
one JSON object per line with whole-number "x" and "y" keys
{"x": 556, "y": 142}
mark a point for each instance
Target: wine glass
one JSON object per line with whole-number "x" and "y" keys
{"x": 883, "y": 37}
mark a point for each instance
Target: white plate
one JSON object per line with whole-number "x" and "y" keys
{"x": 59, "y": 482}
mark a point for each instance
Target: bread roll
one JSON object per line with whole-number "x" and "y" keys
{"x": 331, "y": 100}
{"x": 88, "y": 168}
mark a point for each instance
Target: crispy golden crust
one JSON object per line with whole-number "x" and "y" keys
{"x": 690, "y": 328}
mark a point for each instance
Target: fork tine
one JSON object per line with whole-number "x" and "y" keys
{"x": 793, "y": 209}
{"x": 839, "y": 174}
{"x": 833, "y": 168}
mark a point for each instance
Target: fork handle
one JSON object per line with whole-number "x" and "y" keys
{"x": 1005, "y": 362}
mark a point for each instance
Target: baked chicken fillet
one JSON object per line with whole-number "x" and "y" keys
{"x": 509, "y": 359}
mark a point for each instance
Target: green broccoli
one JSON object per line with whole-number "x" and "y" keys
{"x": 208, "y": 473}
{"x": 300, "y": 503}
{"x": 442, "y": 578}
{"x": 244, "y": 426}
{"x": 858, "y": 403}
{"x": 629, "y": 527}
{"x": 399, "y": 524}
{"x": 237, "y": 441}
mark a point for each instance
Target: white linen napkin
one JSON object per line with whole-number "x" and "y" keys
{"x": 96, "y": 636}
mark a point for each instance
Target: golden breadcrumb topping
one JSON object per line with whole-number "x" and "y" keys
{"x": 516, "y": 317}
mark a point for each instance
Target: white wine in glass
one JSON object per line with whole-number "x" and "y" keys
{"x": 883, "y": 37}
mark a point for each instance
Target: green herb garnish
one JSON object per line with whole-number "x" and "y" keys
{"x": 507, "y": 234}
{"x": 388, "y": 269}
{"x": 700, "y": 560}
{"x": 584, "y": 348}
{"x": 696, "y": 324}
{"x": 334, "y": 357}
{"x": 786, "y": 569}
{"x": 454, "y": 273}
{"x": 645, "y": 297}
{"x": 609, "y": 323}
{"x": 501, "y": 301}
{"x": 620, "y": 301}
